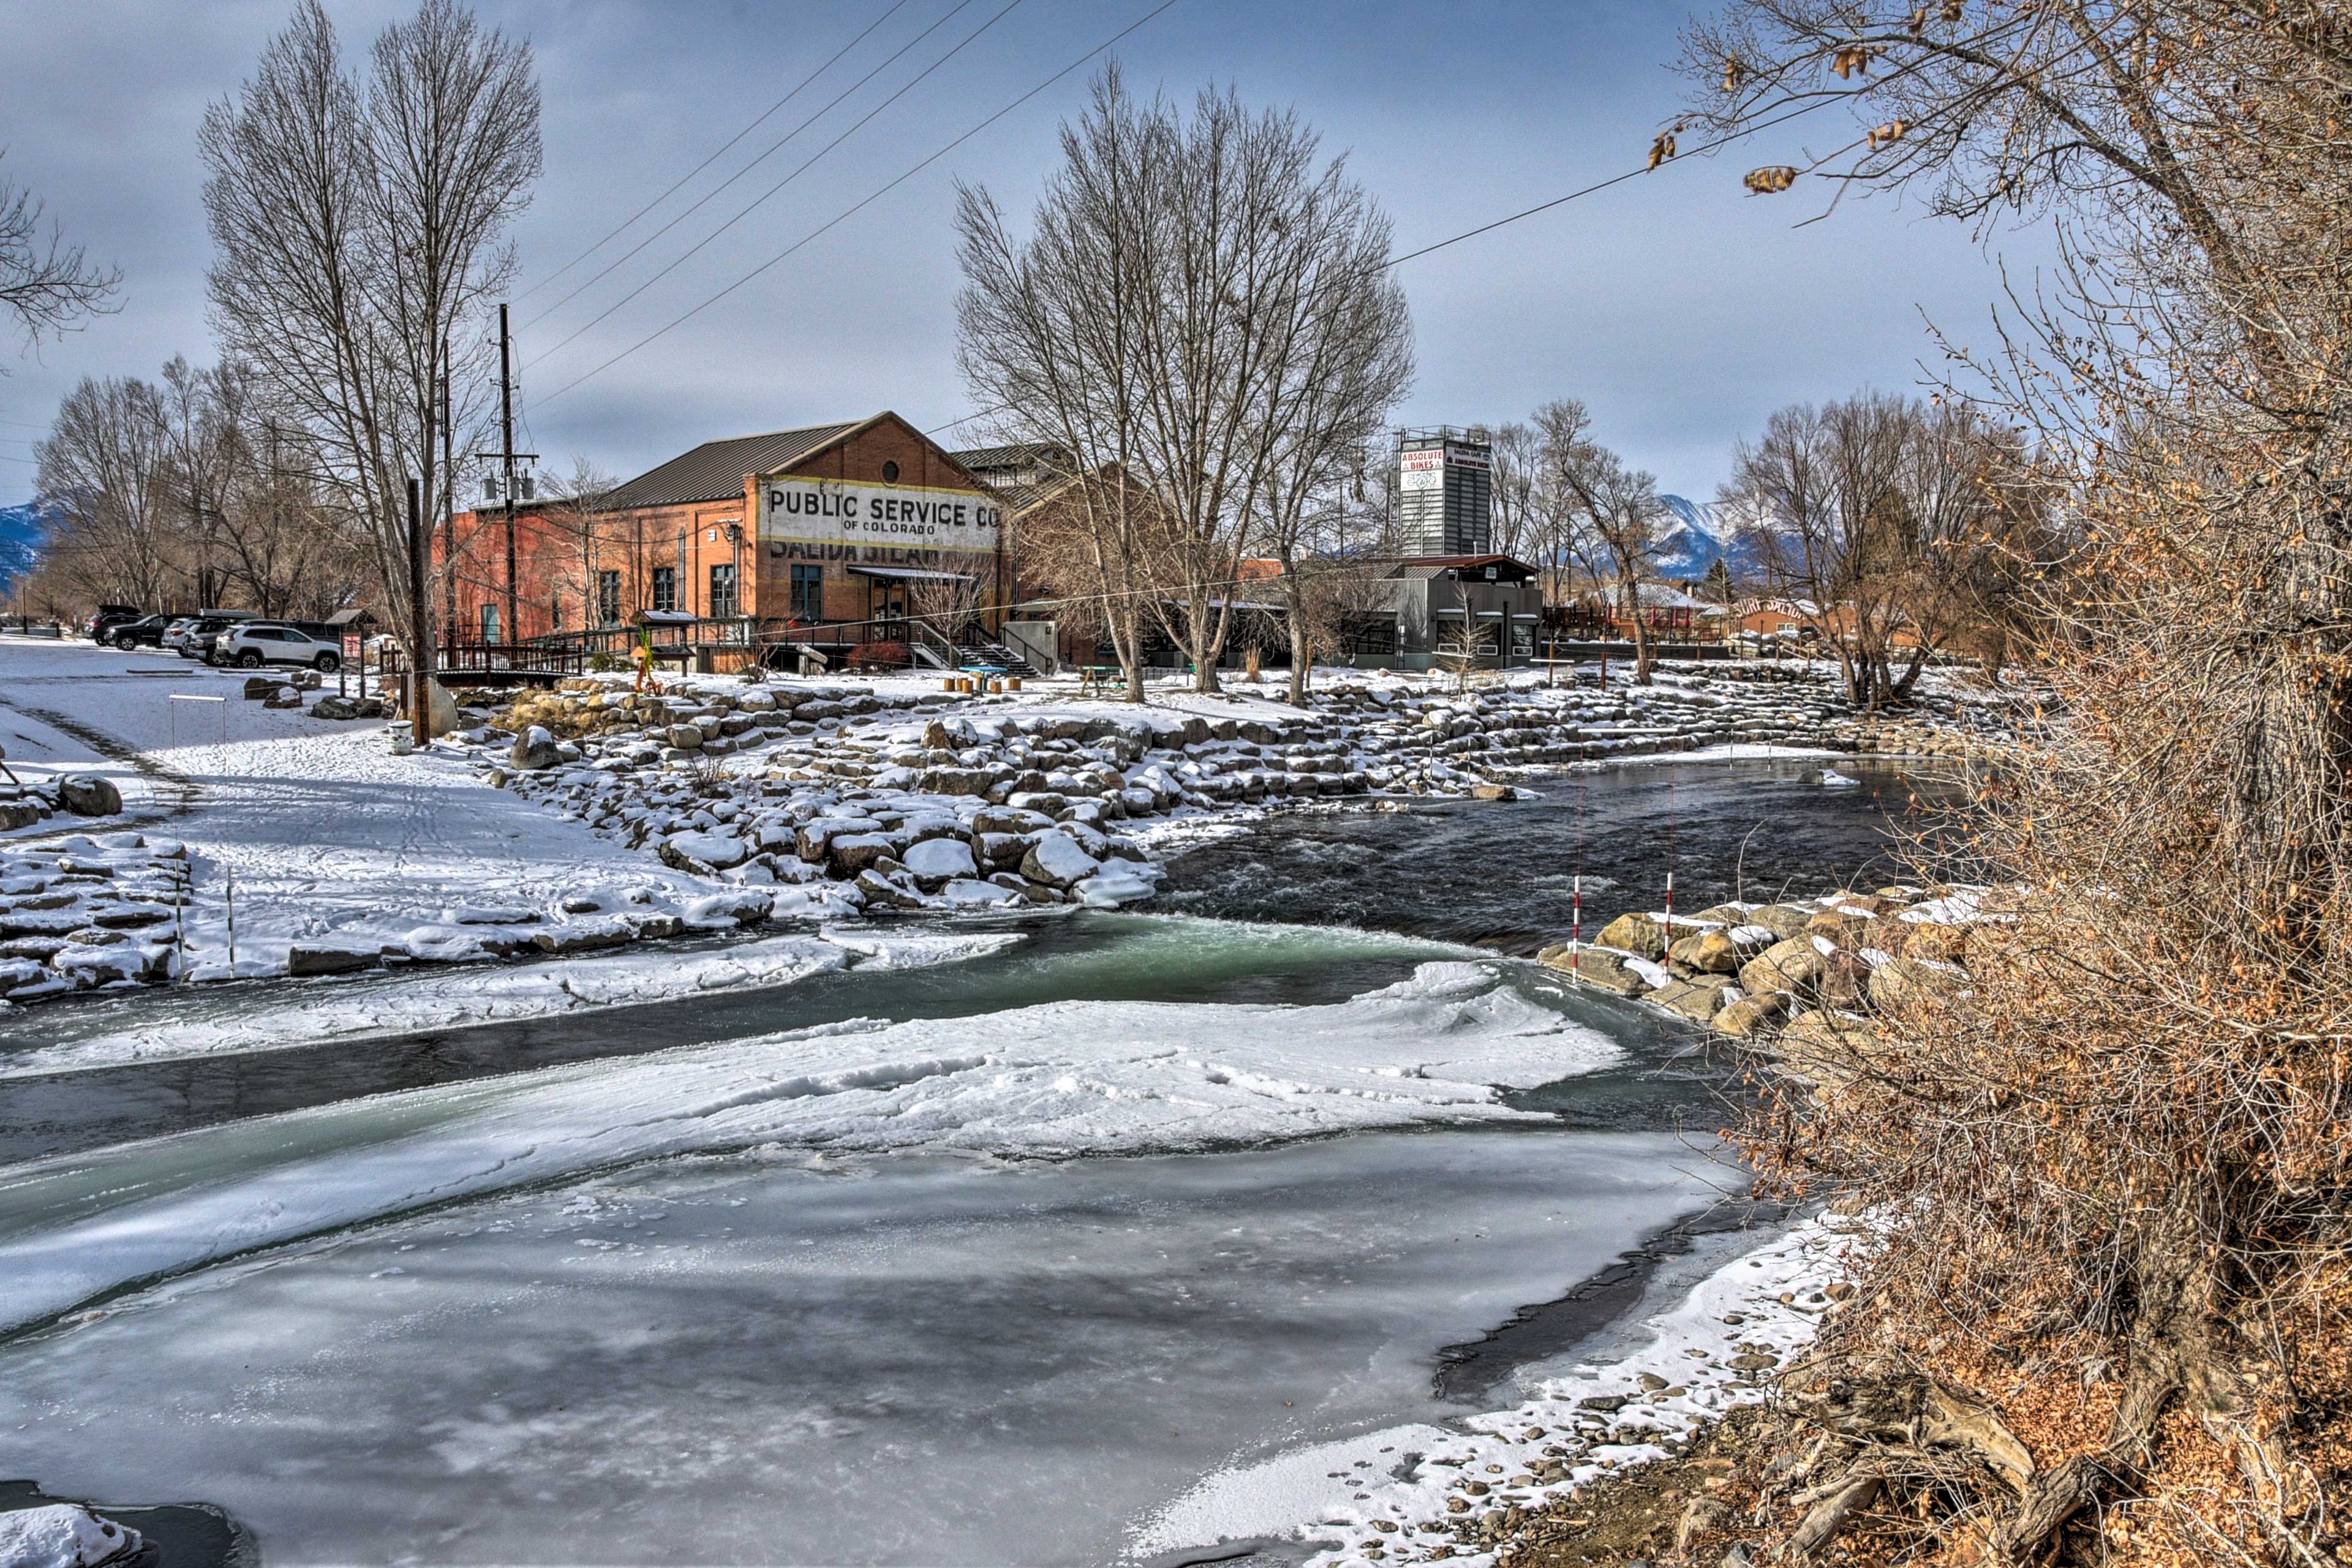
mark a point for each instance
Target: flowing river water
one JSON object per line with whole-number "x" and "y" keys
{"x": 614, "y": 1287}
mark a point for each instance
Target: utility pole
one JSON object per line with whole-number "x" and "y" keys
{"x": 420, "y": 662}
{"x": 506, "y": 442}
{"x": 506, "y": 456}
{"x": 448, "y": 501}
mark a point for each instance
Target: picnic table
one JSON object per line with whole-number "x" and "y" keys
{"x": 1094, "y": 678}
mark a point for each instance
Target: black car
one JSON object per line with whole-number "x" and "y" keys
{"x": 101, "y": 625}
{"x": 147, "y": 631}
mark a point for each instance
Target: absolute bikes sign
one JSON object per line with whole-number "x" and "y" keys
{"x": 906, "y": 517}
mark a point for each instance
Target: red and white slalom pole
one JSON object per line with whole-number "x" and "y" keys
{"x": 1576, "y": 895}
{"x": 1576, "y": 929}
{"x": 1670, "y": 856}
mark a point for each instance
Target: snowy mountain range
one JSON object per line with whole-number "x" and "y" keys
{"x": 1696, "y": 539}
{"x": 22, "y": 529}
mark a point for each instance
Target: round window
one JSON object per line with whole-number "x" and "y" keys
{"x": 889, "y": 473}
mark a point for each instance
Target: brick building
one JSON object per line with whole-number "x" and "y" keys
{"x": 862, "y": 522}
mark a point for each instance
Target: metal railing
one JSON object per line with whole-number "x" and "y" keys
{"x": 759, "y": 638}
{"x": 488, "y": 664}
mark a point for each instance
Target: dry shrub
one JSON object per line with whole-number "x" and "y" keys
{"x": 2120, "y": 1158}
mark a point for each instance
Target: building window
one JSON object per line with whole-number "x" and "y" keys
{"x": 808, "y": 592}
{"x": 723, "y": 593}
{"x": 555, "y": 614}
{"x": 889, "y": 473}
{"x": 608, "y": 598}
{"x": 489, "y": 623}
{"x": 665, "y": 588}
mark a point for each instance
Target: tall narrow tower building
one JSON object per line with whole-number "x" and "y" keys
{"x": 1446, "y": 500}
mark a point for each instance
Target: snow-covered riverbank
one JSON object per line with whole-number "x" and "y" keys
{"x": 722, "y": 803}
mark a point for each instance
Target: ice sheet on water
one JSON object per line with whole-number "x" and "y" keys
{"x": 1691, "y": 1362}
{"x": 773, "y": 1356}
{"x": 1060, "y": 1078}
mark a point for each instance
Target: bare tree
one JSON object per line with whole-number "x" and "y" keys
{"x": 1046, "y": 332}
{"x": 1517, "y": 453}
{"x": 117, "y": 531}
{"x": 1617, "y": 516}
{"x": 46, "y": 286}
{"x": 1169, "y": 320}
{"x": 1350, "y": 347}
{"x": 1875, "y": 516}
{"x": 581, "y": 512}
{"x": 1555, "y": 536}
{"x": 359, "y": 230}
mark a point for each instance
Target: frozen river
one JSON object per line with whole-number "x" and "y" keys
{"x": 984, "y": 1261}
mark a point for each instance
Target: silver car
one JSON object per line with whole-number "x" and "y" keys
{"x": 256, "y": 643}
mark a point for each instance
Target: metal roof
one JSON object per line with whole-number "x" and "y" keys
{"x": 1438, "y": 565}
{"x": 717, "y": 469}
{"x": 1020, "y": 454}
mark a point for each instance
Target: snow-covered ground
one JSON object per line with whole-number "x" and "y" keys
{"x": 312, "y": 847}
{"x": 312, "y": 828}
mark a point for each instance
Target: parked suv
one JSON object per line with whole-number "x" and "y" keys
{"x": 100, "y": 627}
{"x": 196, "y": 642}
{"x": 256, "y": 643}
{"x": 147, "y": 631}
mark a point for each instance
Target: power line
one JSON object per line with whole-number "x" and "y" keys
{"x": 1723, "y": 141}
{"x": 896, "y": 7}
{"x": 852, "y": 211}
{"x": 1599, "y": 185}
{"x": 806, "y": 165}
{"x": 772, "y": 147}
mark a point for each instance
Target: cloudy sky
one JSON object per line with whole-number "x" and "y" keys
{"x": 1679, "y": 308}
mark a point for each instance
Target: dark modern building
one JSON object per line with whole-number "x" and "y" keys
{"x": 1431, "y": 598}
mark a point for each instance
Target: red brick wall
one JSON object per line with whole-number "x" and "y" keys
{"x": 552, "y": 569}
{"x": 859, "y": 460}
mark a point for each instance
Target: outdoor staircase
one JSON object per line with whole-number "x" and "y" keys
{"x": 997, "y": 655}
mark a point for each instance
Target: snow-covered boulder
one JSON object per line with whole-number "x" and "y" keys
{"x": 936, "y": 861}
{"x": 87, "y": 794}
{"x": 694, "y": 851}
{"x": 63, "y": 1535}
{"x": 306, "y": 959}
{"x": 847, "y": 853}
{"x": 534, "y": 749}
{"x": 739, "y": 907}
{"x": 1113, "y": 886}
{"x": 1056, "y": 860}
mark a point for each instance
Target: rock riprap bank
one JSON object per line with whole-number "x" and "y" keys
{"x": 1802, "y": 979}
{"x": 88, "y": 911}
{"x": 870, "y": 799}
